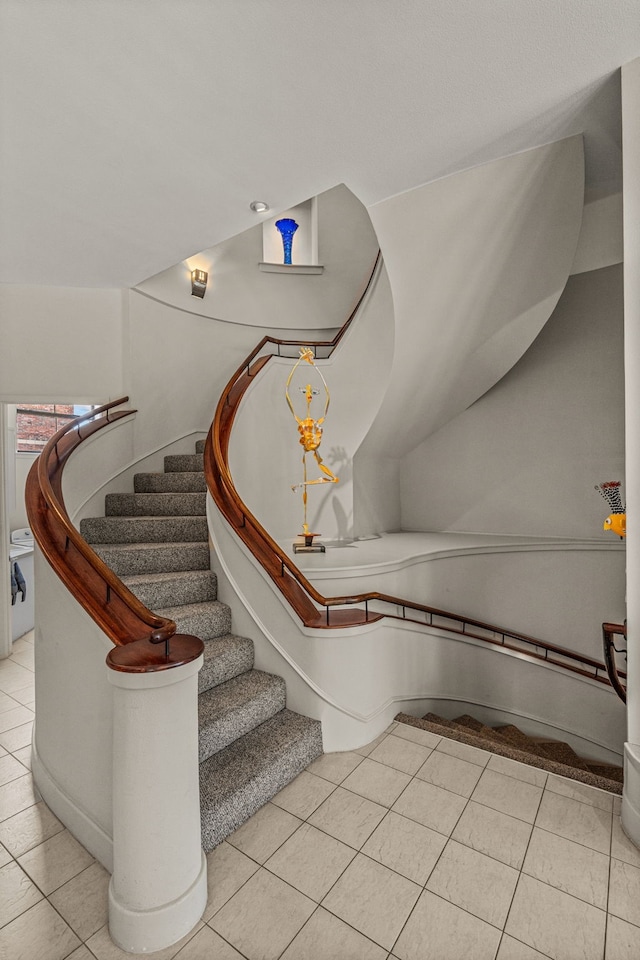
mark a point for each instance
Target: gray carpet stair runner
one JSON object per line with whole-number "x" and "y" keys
{"x": 509, "y": 741}
{"x": 156, "y": 539}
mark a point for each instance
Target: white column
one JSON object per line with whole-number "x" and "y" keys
{"x": 158, "y": 889}
{"x": 631, "y": 201}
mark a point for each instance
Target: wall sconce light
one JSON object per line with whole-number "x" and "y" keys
{"x": 199, "y": 283}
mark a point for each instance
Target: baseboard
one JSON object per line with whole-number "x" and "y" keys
{"x": 89, "y": 833}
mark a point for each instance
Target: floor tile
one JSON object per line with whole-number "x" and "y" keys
{"x": 348, "y": 817}
{"x": 82, "y": 953}
{"x": 17, "y": 795}
{"x": 401, "y": 754}
{"x": 311, "y": 861}
{"x": 17, "y": 892}
{"x": 55, "y": 861}
{"x": 405, "y": 846}
{"x": 38, "y": 934}
{"x": 377, "y": 782}
{"x": 13, "y": 676}
{"x": 431, "y": 806}
{"x": 277, "y": 911}
{"x": 511, "y": 949}
{"x": 227, "y": 870}
{"x": 102, "y": 947}
{"x": 26, "y": 696}
{"x": 425, "y": 737}
{"x": 15, "y": 717}
{"x": 451, "y": 933}
{"x": 5, "y": 856}
{"x": 517, "y": 798}
{"x": 373, "y": 899}
{"x": 623, "y": 940}
{"x": 580, "y": 791}
{"x": 83, "y": 901}
{"x": 24, "y": 756}
{"x": 464, "y": 751}
{"x": 517, "y": 770}
{"x": 496, "y": 834}
{"x": 451, "y": 773}
{"x": 571, "y": 930}
{"x": 261, "y": 836}
{"x": 29, "y": 828}
{"x": 18, "y": 737}
{"x": 575, "y": 820}
{"x": 335, "y": 766}
{"x": 7, "y": 702}
{"x": 208, "y": 945}
{"x": 303, "y": 795}
{"x": 368, "y": 748}
{"x": 621, "y": 847}
{"x": 326, "y": 937}
{"x": 569, "y": 866}
{"x": 624, "y": 893}
{"x": 25, "y": 657}
{"x": 10, "y": 769}
{"x": 477, "y": 883}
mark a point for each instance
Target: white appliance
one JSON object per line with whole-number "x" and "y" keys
{"x": 22, "y": 608}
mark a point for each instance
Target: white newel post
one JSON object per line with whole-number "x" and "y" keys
{"x": 631, "y": 196}
{"x": 158, "y": 889}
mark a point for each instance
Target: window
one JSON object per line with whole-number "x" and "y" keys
{"x": 38, "y": 422}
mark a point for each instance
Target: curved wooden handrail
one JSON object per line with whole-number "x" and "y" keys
{"x": 103, "y": 595}
{"x": 303, "y": 597}
{"x": 609, "y": 631}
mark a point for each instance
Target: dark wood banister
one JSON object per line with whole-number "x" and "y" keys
{"x": 291, "y": 582}
{"x": 144, "y": 642}
{"x": 609, "y": 631}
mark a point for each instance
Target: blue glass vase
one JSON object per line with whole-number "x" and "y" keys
{"x": 287, "y": 228}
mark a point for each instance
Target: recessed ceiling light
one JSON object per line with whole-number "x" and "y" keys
{"x": 259, "y": 206}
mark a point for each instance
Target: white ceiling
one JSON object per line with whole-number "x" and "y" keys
{"x": 136, "y": 132}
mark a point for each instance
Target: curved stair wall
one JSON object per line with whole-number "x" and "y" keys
{"x": 356, "y": 680}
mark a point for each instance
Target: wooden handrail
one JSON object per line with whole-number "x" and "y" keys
{"x": 302, "y": 596}
{"x": 609, "y": 631}
{"x": 125, "y": 620}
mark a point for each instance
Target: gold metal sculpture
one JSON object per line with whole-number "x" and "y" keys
{"x": 310, "y": 430}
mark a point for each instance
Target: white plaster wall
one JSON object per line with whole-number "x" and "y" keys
{"x": 239, "y": 292}
{"x": 476, "y": 262}
{"x": 60, "y": 344}
{"x": 265, "y": 453}
{"x": 525, "y": 458}
{"x": 600, "y": 240}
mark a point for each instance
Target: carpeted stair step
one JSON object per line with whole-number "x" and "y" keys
{"x": 593, "y": 778}
{"x": 179, "y": 462}
{"x": 155, "y": 504}
{"x": 225, "y": 657}
{"x": 514, "y": 735}
{"x": 562, "y": 752}
{"x": 440, "y": 721}
{"x": 204, "y": 620}
{"x": 144, "y": 529}
{"x": 182, "y": 482}
{"x": 607, "y": 770}
{"x": 238, "y": 780}
{"x": 172, "y": 589}
{"x": 128, "y": 559}
{"x": 236, "y": 707}
{"x": 200, "y": 446}
{"x": 470, "y": 723}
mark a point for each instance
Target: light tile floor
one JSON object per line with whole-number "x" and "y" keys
{"x": 412, "y": 848}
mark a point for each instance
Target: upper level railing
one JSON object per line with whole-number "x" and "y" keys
{"x": 312, "y": 607}
{"x": 144, "y": 641}
{"x": 609, "y": 632}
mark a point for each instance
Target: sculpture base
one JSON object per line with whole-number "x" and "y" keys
{"x": 308, "y": 546}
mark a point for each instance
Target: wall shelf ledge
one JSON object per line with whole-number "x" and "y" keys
{"x": 308, "y": 268}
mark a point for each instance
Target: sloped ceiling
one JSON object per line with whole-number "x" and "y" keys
{"x": 135, "y": 133}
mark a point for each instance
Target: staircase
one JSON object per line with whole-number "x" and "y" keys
{"x": 509, "y": 741}
{"x": 157, "y": 541}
